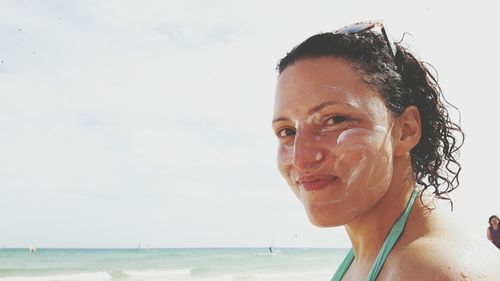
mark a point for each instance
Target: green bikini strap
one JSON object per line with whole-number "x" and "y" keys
{"x": 391, "y": 239}
{"x": 389, "y": 243}
{"x": 346, "y": 262}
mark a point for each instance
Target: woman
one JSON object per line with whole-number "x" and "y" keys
{"x": 363, "y": 139}
{"x": 493, "y": 231}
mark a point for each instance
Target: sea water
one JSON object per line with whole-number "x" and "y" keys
{"x": 217, "y": 264}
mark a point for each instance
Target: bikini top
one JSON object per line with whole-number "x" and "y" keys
{"x": 389, "y": 243}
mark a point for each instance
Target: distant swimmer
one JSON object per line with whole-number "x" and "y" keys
{"x": 270, "y": 250}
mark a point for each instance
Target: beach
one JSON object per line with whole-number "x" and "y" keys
{"x": 211, "y": 264}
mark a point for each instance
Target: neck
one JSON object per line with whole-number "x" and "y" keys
{"x": 369, "y": 231}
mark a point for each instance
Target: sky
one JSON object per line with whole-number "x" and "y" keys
{"x": 149, "y": 122}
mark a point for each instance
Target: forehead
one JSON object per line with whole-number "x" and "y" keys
{"x": 308, "y": 82}
{"x": 327, "y": 69}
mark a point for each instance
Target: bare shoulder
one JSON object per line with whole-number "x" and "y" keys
{"x": 435, "y": 245}
{"x": 443, "y": 259}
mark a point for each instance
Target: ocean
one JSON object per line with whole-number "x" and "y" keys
{"x": 210, "y": 264}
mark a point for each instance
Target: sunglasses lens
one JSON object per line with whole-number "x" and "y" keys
{"x": 363, "y": 26}
{"x": 355, "y": 28}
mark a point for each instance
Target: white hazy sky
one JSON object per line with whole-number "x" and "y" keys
{"x": 148, "y": 122}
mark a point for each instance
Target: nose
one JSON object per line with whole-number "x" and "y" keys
{"x": 307, "y": 153}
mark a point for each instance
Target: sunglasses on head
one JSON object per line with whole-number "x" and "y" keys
{"x": 366, "y": 26}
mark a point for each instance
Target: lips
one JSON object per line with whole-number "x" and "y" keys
{"x": 316, "y": 182}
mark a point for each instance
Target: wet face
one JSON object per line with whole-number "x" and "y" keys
{"x": 334, "y": 135}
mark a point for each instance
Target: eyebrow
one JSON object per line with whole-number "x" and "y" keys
{"x": 280, "y": 119}
{"x": 319, "y": 107}
{"x": 314, "y": 109}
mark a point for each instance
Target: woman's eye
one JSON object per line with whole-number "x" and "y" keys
{"x": 335, "y": 120}
{"x": 286, "y": 132}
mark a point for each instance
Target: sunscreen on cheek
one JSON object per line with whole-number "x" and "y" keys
{"x": 357, "y": 170}
{"x": 360, "y": 152}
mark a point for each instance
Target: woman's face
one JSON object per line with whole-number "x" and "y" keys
{"x": 494, "y": 221}
{"x": 334, "y": 134}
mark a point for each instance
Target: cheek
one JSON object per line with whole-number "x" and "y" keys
{"x": 364, "y": 158}
{"x": 285, "y": 158}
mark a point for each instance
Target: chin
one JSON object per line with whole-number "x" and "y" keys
{"x": 321, "y": 221}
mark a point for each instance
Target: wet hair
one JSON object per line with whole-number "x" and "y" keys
{"x": 402, "y": 80}
{"x": 489, "y": 220}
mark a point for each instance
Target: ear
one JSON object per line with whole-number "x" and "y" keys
{"x": 408, "y": 132}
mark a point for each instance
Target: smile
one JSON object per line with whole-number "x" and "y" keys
{"x": 316, "y": 182}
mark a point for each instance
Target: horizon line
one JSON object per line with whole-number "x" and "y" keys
{"x": 162, "y": 248}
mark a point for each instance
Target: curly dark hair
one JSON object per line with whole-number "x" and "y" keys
{"x": 402, "y": 80}
{"x": 491, "y": 217}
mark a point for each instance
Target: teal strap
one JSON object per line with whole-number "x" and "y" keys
{"x": 389, "y": 243}
{"x": 346, "y": 262}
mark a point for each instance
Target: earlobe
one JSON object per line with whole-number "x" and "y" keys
{"x": 409, "y": 132}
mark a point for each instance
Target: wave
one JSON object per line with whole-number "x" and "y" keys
{"x": 128, "y": 275}
{"x": 4, "y": 272}
{"x": 177, "y": 275}
{"x": 93, "y": 276}
{"x": 118, "y": 275}
{"x": 158, "y": 275}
